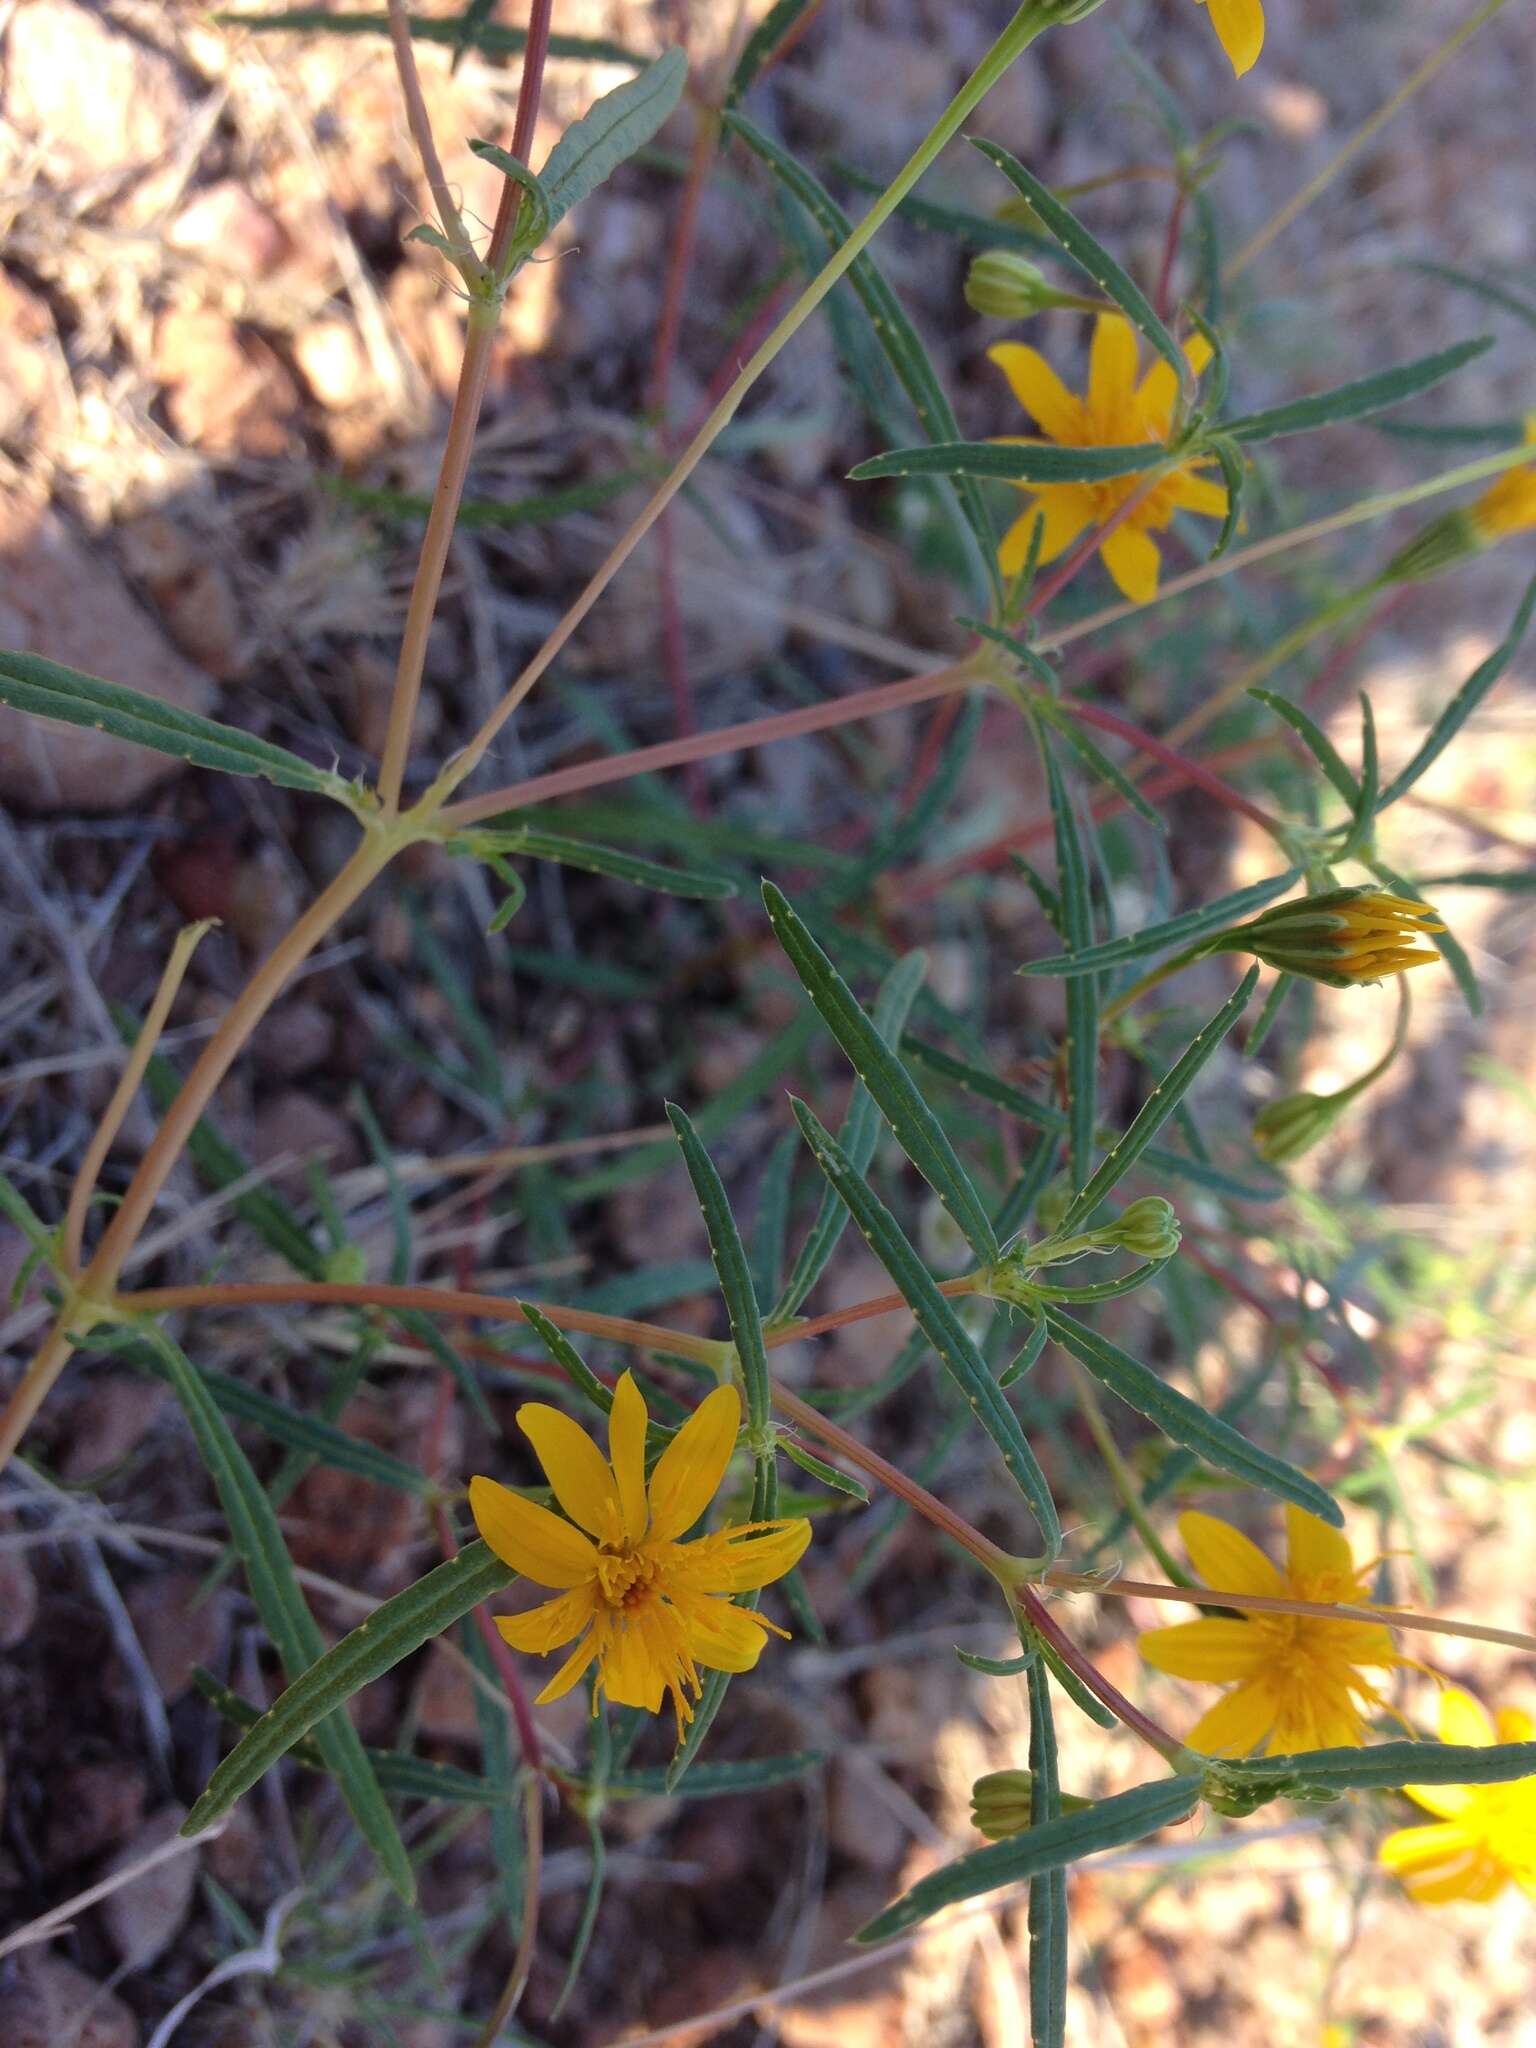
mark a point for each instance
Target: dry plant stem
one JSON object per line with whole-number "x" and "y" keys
{"x": 1297, "y": 204}
{"x": 139, "y": 1055}
{"x": 1027, "y": 23}
{"x": 421, "y": 127}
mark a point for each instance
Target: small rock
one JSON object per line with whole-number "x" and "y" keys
{"x": 191, "y": 593}
{"x": 224, "y": 223}
{"x": 94, "y": 100}
{"x": 144, "y": 1917}
{"x": 48, "y": 766}
{"x": 333, "y": 364}
{"x": 295, "y": 1038}
{"x": 18, "y": 1599}
{"x": 224, "y": 393}
{"x": 91, "y": 1808}
{"x": 293, "y": 1125}
{"x": 177, "y": 1626}
{"x": 112, "y": 1423}
{"x": 48, "y": 2002}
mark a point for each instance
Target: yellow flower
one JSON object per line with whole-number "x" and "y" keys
{"x": 1341, "y": 938}
{"x": 1486, "y": 1837}
{"x": 1509, "y": 503}
{"x": 1240, "y": 25}
{"x": 1116, "y": 412}
{"x": 1297, "y": 1679}
{"x": 650, "y": 1610}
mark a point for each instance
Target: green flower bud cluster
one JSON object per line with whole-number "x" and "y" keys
{"x": 1003, "y": 1801}
{"x": 1148, "y": 1228}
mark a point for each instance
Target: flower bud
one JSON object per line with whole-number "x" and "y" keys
{"x": 1008, "y": 287}
{"x": 1148, "y": 1227}
{"x": 1001, "y": 1803}
{"x": 1453, "y": 537}
{"x": 1341, "y": 938}
{"x": 1284, "y": 1130}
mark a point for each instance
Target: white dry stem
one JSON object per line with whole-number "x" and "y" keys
{"x": 62, "y": 1918}
{"x": 262, "y": 1961}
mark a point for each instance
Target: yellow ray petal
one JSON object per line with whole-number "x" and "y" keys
{"x": 1224, "y": 1557}
{"x": 1240, "y": 25}
{"x": 1112, "y": 378}
{"x": 1313, "y": 1550}
{"x": 570, "y": 1672}
{"x": 724, "y": 1637}
{"x": 529, "y": 1538}
{"x": 575, "y": 1468}
{"x": 1445, "y": 1802}
{"x": 1200, "y": 494}
{"x": 1217, "y": 1652}
{"x": 1039, "y": 390}
{"x": 1412, "y": 1849}
{"x": 1235, "y": 1725}
{"x": 1132, "y": 559}
{"x": 626, "y": 1447}
{"x": 689, "y": 1471}
{"x": 632, "y": 1675}
{"x": 732, "y": 1561}
{"x": 1065, "y": 508}
{"x": 1464, "y": 1720}
{"x": 1514, "y": 1726}
{"x": 546, "y": 1627}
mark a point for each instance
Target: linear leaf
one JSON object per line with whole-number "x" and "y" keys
{"x": 1160, "y": 1104}
{"x": 861, "y": 1127}
{"x": 1082, "y": 990}
{"x": 776, "y": 25}
{"x": 538, "y": 509}
{"x": 1098, "y": 763}
{"x": 621, "y": 122}
{"x": 1013, "y": 461}
{"x": 1367, "y": 803}
{"x": 770, "y": 1226}
{"x": 937, "y": 1321}
{"x": 566, "y": 1356}
{"x": 615, "y": 861}
{"x": 1185, "y": 1421}
{"x": 1385, "y": 1767}
{"x": 1027, "y": 1355}
{"x": 1519, "y": 881}
{"x": 917, "y": 1130}
{"x": 1174, "y": 931}
{"x": 1044, "y": 1116}
{"x": 1091, "y": 257}
{"x": 897, "y": 337}
{"x": 1107, "y": 1824}
{"x": 391, "y": 1632}
{"x": 716, "y": 1781}
{"x": 488, "y": 36}
{"x": 1048, "y": 1892}
{"x": 50, "y": 690}
{"x": 256, "y": 1536}
{"x": 1464, "y": 703}
{"x": 840, "y": 1482}
{"x": 1353, "y": 401}
{"x": 732, "y": 1271}
{"x": 1317, "y": 742}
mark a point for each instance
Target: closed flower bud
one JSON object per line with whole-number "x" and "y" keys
{"x": 1341, "y": 938}
{"x": 1149, "y": 1228}
{"x": 1453, "y": 537}
{"x": 1008, "y": 287}
{"x": 1001, "y": 1803}
{"x": 1284, "y": 1130}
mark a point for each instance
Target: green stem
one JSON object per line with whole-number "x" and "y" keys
{"x": 1120, "y": 1474}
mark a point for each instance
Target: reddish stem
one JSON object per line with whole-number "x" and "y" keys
{"x": 1164, "y": 291}
{"x": 1190, "y": 771}
{"x": 1039, "y": 1618}
{"x": 1079, "y": 557}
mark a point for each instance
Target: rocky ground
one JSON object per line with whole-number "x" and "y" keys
{"x": 215, "y": 355}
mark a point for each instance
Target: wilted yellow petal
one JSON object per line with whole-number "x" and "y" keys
{"x": 689, "y": 1471}
{"x": 570, "y": 1671}
{"x": 529, "y": 1538}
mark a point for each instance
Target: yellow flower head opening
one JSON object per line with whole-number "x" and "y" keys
{"x": 648, "y": 1609}
{"x": 1509, "y": 503}
{"x": 1298, "y": 1680}
{"x": 1485, "y": 1836}
{"x": 1116, "y": 411}
{"x": 1342, "y": 938}
{"x": 1240, "y": 25}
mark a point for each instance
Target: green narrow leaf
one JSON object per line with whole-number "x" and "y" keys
{"x": 1234, "y": 474}
{"x": 539, "y": 509}
{"x": 1160, "y": 1104}
{"x": 566, "y": 1356}
{"x": 390, "y": 1633}
{"x": 1045, "y": 1117}
{"x": 829, "y": 1475}
{"x": 937, "y": 1321}
{"x": 1091, "y": 257}
{"x": 1185, "y": 1421}
{"x": 776, "y": 25}
{"x": 1107, "y": 1824}
{"x": 770, "y": 1231}
{"x": 1354, "y": 401}
{"x": 1384, "y": 1767}
{"x": 861, "y": 1128}
{"x": 1317, "y": 743}
{"x": 897, "y": 337}
{"x": 1366, "y": 805}
{"x": 1026, "y": 1356}
{"x": 589, "y": 1909}
{"x": 256, "y": 1536}
{"x": 1264, "y": 1023}
{"x": 614, "y": 861}
{"x": 731, "y": 1270}
{"x": 1097, "y": 762}
{"x": 1464, "y": 703}
{"x": 915, "y": 1127}
{"x": 718, "y": 1781}
{"x": 1012, "y": 462}
{"x": 1174, "y": 931}
{"x": 1048, "y": 1892}
{"x": 998, "y": 1667}
{"x": 534, "y": 214}
{"x": 49, "y": 690}
{"x": 1484, "y": 288}
{"x": 621, "y": 122}
{"x": 1082, "y": 990}
{"x": 1519, "y": 881}
{"x": 489, "y": 36}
